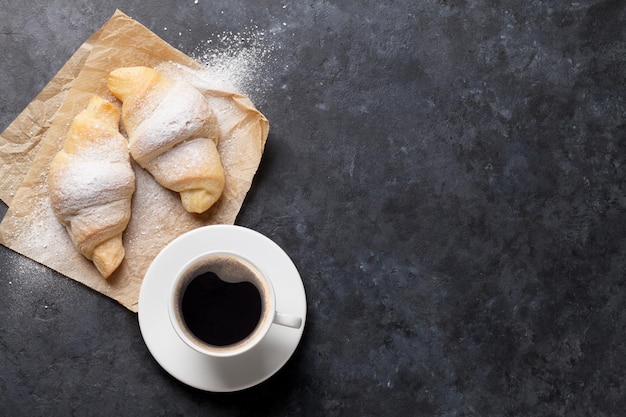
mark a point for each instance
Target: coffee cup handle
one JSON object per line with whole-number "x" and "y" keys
{"x": 287, "y": 320}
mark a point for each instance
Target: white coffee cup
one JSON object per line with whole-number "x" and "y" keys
{"x": 222, "y": 305}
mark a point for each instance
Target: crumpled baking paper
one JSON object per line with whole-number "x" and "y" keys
{"x": 28, "y": 145}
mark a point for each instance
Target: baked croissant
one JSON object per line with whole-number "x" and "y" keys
{"x": 91, "y": 183}
{"x": 173, "y": 134}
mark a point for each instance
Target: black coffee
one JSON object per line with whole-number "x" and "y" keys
{"x": 220, "y": 313}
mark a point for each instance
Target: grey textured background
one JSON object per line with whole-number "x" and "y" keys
{"x": 448, "y": 176}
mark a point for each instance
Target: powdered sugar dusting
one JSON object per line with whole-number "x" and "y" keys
{"x": 93, "y": 175}
{"x": 239, "y": 59}
{"x": 181, "y": 114}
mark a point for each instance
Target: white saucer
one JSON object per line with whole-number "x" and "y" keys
{"x": 224, "y": 374}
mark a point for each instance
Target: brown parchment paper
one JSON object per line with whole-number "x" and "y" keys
{"x": 29, "y": 226}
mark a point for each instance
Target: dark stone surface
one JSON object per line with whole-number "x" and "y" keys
{"x": 448, "y": 176}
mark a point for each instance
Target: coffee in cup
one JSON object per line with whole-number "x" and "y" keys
{"x": 222, "y": 305}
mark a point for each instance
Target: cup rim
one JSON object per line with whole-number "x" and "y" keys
{"x": 202, "y": 347}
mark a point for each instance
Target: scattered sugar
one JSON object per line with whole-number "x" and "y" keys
{"x": 40, "y": 229}
{"x": 239, "y": 59}
{"x": 29, "y": 276}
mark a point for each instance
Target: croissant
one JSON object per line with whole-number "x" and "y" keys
{"x": 91, "y": 182}
{"x": 173, "y": 134}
